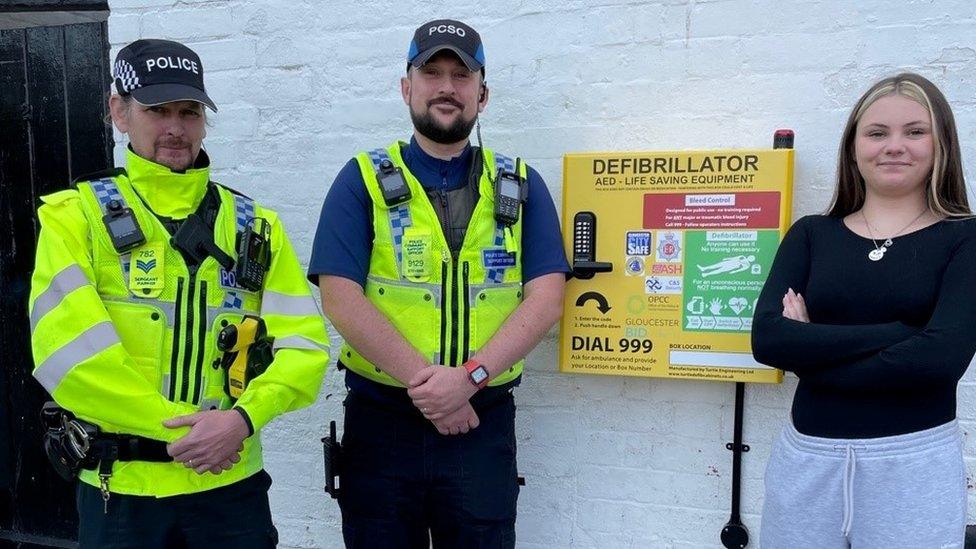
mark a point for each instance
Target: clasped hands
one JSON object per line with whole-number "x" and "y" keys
{"x": 442, "y": 394}
{"x": 214, "y": 443}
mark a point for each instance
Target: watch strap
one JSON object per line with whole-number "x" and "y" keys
{"x": 478, "y": 378}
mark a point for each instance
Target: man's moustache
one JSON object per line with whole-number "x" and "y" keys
{"x": 452, "y": 102}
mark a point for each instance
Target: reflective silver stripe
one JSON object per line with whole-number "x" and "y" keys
{"x": 274, "y": 303}
{"x": 88, "y": 344}
{"x": 298, "y": 342}
{"x": 68, "y": 280}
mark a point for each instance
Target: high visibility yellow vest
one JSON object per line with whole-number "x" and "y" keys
{"x": 446, "y": 308}
{"x": 127, "y": 341}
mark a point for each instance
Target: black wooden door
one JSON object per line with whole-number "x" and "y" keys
{"x": 53, "y": 88}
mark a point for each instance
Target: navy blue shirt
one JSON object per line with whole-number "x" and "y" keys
{"x": 344, "y": 238}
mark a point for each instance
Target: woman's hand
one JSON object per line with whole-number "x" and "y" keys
{"x": 794, "y": 308}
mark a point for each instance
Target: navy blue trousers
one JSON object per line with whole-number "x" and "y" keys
{"x": 236, "y": 516}
{"x": 404, "y": 485}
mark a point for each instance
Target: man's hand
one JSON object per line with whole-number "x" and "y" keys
{"x": 457, "y": 422}
{"x": 214, "y": 442}
{"x": 437, "y": 390}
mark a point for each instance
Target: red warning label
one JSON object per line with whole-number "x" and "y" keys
{"x": 750, "y": 210}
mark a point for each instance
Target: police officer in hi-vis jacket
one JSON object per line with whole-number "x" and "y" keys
{"x": 140, "y": 273}
{"x": 441, "y": 264}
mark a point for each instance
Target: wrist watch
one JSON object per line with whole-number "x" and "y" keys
{"x": 477, "y": 373}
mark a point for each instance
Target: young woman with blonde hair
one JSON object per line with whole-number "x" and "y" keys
{"x": 871, "y": 307}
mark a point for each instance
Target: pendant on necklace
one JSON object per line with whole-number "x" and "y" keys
{"x": 877, "y": 254}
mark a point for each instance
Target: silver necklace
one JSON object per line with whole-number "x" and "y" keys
{"x": 877, "y": 254}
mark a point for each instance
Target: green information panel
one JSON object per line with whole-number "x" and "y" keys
{"x": 724, "y": 275}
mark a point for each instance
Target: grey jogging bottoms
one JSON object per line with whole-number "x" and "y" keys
{"x": 901, "y": 491}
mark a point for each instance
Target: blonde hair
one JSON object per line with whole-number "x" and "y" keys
{"x": 946, "y": 187}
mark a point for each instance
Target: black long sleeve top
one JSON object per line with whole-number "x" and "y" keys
{"x": 887, "y": 340}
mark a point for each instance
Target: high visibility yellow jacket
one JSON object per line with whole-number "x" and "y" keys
{"x": 447, "y": 308}
{"x": 128, "y": 341}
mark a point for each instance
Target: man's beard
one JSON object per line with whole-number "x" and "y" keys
{"x": 459, "y": 130}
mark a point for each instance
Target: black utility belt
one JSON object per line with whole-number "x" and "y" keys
{"x": 72, "y": 444}
{"x": 397, "y": 399}
{"x": 134, "y": 448}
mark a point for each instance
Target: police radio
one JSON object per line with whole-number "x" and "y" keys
{"x": 332, "y": 451}
{"x": 510, "y": 192}
{"x": 253, "y": 254}
{"x": 392, "y": 184}
{"x": 122, "y": 227}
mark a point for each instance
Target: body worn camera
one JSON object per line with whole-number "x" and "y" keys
{"x": 122, "y": 227}
{"x": 393, "y": 184}
{"x": 510, "y": 192}
{"x": 253, "y": 254}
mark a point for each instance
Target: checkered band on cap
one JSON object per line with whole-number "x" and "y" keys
{"x": 125, "y": 76}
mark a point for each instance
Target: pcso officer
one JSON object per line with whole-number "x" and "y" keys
{"x": 139, "y": 272}
{"x": 441, "y": 264}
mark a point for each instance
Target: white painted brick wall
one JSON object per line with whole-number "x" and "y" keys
{"x": 610, "y": 462}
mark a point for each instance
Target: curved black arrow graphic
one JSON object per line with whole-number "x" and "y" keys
{"x": 601, "y": 301}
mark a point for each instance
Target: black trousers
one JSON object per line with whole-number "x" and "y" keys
{"x": 404, "y": 485}
{"x": 234, "y": 516}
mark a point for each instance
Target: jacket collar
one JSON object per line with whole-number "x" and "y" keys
{"x": 166, "y": 192}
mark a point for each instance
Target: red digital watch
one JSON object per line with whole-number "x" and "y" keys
{"x": 477, "y": 373}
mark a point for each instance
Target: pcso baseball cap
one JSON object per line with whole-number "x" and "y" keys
{"x": 446, "y": 34}
{"x": 160, "y": 71}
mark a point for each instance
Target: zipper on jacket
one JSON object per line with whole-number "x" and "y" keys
{"x": 445, "y": 292}
{"x": 188, "y": 349}
{"x": 466, "y": 297}
{"x": 455, "y": 327}
{"x": 202, "y": 339}
{"x": 446, "y": 220}
{"x": 174, "y": 355}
